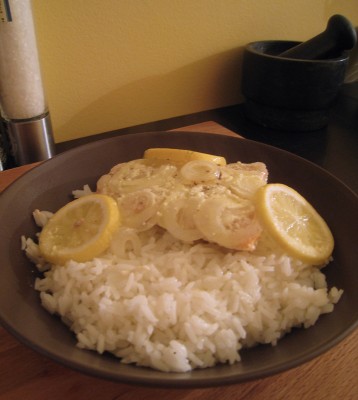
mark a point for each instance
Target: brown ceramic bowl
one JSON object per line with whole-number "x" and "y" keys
{"x": 48, "y": 187}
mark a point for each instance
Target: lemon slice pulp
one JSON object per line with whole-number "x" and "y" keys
{"x": 182, "y": 156}
{"x": 81, "y": 230}
{"x": 293, "y": 222}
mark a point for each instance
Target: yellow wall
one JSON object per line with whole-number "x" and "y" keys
{"x": 110, "y": 64}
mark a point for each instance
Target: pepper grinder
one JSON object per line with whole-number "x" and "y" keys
{"x": 23, "y": 105}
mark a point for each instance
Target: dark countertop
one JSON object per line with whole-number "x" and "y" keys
{"x": 334, "y": 148}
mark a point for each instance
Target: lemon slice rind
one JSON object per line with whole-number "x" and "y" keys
{"x": 181, "y": 155}
{"x": 81, "y": 230}
{"x": 294, "y": 224}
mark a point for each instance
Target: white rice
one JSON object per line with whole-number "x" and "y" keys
{"x": 155, "y": 301}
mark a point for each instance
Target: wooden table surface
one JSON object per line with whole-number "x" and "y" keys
{"x": 24, "y": 374}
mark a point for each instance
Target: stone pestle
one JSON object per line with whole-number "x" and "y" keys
{"x": 339, "y": 36}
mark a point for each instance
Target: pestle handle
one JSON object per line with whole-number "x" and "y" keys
{"x": 339, "y": 35}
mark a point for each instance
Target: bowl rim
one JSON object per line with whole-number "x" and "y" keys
{"x": 251, "y": 47}
{"x": 184, "y": 379}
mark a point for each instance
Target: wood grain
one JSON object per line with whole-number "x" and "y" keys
{"x": 25, "y": 374}
{"x": 10, "y": 175}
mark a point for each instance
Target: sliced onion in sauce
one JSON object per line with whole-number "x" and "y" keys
{"x": 139, "y": 209}
{"x": 242, "y": 180}
{"x": 177, "y": 219}
{"x": 231, "y": 224}
{"x": 124, "y": 240}
{"x": 200, "y": 171}
{"x": 136, "y": 175}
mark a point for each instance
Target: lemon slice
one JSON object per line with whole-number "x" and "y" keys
{"x": 182, "y": 156}
{"x": 292, "y": 221}
{"x": 81, "y": 230}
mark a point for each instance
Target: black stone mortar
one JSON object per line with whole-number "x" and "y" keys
{"x": 287, "y": 93}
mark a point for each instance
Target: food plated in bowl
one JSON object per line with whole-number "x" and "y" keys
{"x": 258, "y": 361}
{"x": 168, "y": 265}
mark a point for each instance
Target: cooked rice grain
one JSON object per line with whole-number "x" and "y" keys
{"x": 174, "y": 306}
